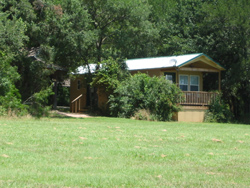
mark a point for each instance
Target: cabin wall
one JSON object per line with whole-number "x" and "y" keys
{"x": 152, "y": 72}
{"x": 160, "y": 72}
{"x": 75, "y": 91}
{"x": 178, "y": 73}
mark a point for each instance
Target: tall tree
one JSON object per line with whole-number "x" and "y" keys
{"x": 227, "y": 31}
{"x": 122, "y": 28}
{"x": 12, "y": 39}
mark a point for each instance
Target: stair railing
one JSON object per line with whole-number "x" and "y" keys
{"x": 76, "y": 104}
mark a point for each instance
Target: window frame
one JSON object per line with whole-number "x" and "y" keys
{"x": 173, "y": 74}
{"x": 193, "y": 84}
{"x": 184, "y": 84}
{"x": 189, "y": 81}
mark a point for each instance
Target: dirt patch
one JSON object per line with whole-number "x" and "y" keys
{"x": 75, "y": 115}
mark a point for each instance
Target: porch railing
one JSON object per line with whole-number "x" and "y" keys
{"x": 199, "y": 98}
{"x": 76, "y": 104}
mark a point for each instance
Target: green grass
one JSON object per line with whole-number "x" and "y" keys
{"x": 110, "y": 152}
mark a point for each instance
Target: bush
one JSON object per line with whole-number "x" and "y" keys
{"x": 39, "y": 102}
{"x": 218, "y": 111}
{"x": 144, "y": 92}
{"x": 11, "y": 104}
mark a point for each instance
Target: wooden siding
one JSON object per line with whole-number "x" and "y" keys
{"x": 75, "y": 92}
{"x": 151, "y": 72}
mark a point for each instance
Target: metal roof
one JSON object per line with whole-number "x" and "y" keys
{"x": 160, "y": 62}
{"x": 154, "y": 63}
{"x": 85, "y": 69}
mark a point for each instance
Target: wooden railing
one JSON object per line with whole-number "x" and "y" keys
{"x": 76, "y": 104}
{"x": 200, "y": 98}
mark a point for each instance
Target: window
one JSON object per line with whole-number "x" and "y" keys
{"x": 184, "y": 82}
{"x": 189, "y": 83}
{"x": 78, "y": 84}
{"x": 194, "y": 83}
{"x": 170, "y": 76}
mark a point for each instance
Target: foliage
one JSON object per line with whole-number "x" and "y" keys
{"x": 218, "y": 111}
{"x": 11, "y": 104}
{"x": 39, "y": 102}
{"x": 63, "y": 95}
{"x": 110, "y": 74}
{"x": 144, "y": 92}
{"x": 12, "y": 39}
{"x": 122, "y": 29}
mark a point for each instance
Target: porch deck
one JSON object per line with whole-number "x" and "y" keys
{"x": 198, "y": 98}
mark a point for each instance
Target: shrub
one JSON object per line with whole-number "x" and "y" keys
{"x": 144, "y": 92}
{"x": 218, "y": 111}
{"x": 39, "y": 101}
{"x": 11, "y": 102}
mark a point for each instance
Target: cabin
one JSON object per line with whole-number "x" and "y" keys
{"x": 186, "y": 71}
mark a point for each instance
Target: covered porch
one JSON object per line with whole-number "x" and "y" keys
{"x": 189, "y": 77}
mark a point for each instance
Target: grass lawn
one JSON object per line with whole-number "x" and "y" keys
{"x": 112, "y": 152}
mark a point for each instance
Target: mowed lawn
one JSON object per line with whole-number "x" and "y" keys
{"x": 112, "y": 152}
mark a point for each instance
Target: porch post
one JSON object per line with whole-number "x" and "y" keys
{"x": 219, "y": 80}
{"x": 177, "y": 78}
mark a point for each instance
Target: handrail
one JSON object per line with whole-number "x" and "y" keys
{"x": 76, "y": 104}
{"x": 198, "y": 98}
{"x": 76, "y": 98}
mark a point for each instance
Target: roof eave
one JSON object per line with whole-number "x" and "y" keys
{"x": 219, "y": 66}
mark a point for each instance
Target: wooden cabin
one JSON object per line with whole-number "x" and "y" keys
{"x": 186, "y": 71}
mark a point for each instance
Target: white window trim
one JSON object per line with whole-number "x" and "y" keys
{"x": 189, "y": 80}
{"x": 194, "y": 85}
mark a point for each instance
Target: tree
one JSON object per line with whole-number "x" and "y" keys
{"x": 227, "y": 33}
{"x": 110, "y": 75}
{"x": 121, "y": 27}
{"x": 12, "y": 39}
{"x": 59, "y": 36}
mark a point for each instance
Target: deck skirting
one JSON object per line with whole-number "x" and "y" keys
{"x": 191, "y": 114}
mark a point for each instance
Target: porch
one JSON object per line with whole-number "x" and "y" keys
{"x": 198, "y": 98}
{"x": 194, "y": 106}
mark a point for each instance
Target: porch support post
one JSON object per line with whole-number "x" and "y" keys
{"x": 177, "y": 77}
{"x": 219, "y": 80}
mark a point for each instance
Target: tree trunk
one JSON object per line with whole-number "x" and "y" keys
{"x": 55, "y": 96}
